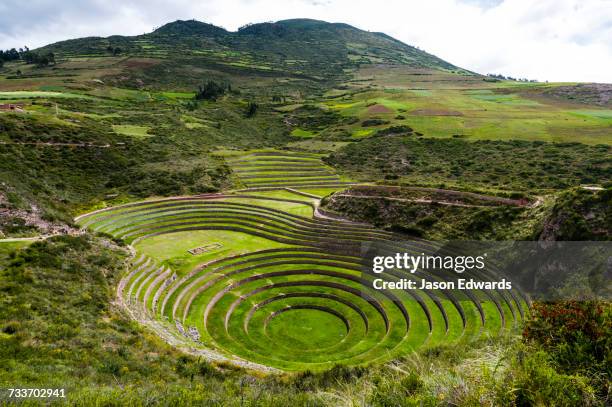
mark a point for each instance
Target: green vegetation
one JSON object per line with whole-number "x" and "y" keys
{"x": 211, "y": 91}
{"x": 29, "y": 57}
{"x": 131, "y": 130}
{"x": 579, "y": 214}
{"x": 88, "y": 346}
{"x": 509, "y": 165}
{"x": 576, "y": 333}
{"x": 90, "y": 165}
{"x": 62, "y": 349}
{"x": 29, "y": 95}
{"x": 435, "y": 214}
{"x": 247, "y": 287}
{"x": 278, "y": 169}
{"x": 472, "y": 109}
{"x": 301, "y": 133}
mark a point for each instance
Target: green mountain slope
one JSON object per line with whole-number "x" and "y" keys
{"x": 308, "y": 47}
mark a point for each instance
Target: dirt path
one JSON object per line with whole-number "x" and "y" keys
{"x": 27, "y": 239}
{"x": 318, "y": 214}
{"x": 306, "y": 194}
{"x": 422, "y": 201}
{"x": 538, "y": 201}
{"x": 39, "y": 143}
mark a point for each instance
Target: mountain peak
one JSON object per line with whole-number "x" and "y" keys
{"x": 190, "y": 27}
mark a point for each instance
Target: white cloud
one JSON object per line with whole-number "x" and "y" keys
{"x": 557, "y": 40}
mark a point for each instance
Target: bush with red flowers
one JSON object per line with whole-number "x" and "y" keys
{"x": 577, "y": 334}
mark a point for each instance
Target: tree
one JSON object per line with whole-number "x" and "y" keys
{"x": 251, "y": 109}
{"x": 29, "y": 57}
{"x": 191, "y": 105}
{"x": 41, "y": 61}
{"x": 211, "y": 91}
{"x": 10, "y": 55}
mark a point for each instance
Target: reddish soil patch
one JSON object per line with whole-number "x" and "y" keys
{"x": 377, "y": 109}
{"x": 435, "y": 112}
{"x": 140, "y": 62}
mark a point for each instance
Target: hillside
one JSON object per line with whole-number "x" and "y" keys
{"x": 123, "y": 110}
{"x": 300, "y": 47}
{"x": 438, "y": 214}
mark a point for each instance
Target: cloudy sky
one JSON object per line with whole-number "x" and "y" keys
{"x": 555, "y": 40}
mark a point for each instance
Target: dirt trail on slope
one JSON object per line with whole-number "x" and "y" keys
{"x": 421, "y": 201}
{"x": 40, "y": 143}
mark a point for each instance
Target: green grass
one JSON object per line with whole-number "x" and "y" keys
{"x": 135, "y": 365}
{"x": 122, "y": 94}
{"x": 477, "y": 113}
{"x": 599, "y": 114}
{"x": 132, "y": 130}
{"x": 271, "y": 168}
{"x": 316, "y": 145}
{"x": 178, "y": 95}
{"x": 8, "y": 247}
{"x": 302, "y": 133}
{"x": 321, "y": 191}
{"x": 172, "y": 249}
{"x": 361, "y": 133}
{"x": 32, "y": 95}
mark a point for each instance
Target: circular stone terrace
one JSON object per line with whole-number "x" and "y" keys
{"x": 278, "y": 289}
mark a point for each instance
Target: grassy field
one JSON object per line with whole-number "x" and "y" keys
{"x": 34, "y": 94}
{"x": 442, "y": 105}
{"x": 131, "y": 130}
{"x": 9, "y": 247}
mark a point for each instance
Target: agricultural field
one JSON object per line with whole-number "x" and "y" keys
{"x": 281, "y": 169}
{"x": 131, "y": 130}
{"x": 436, "y": 105}
{"x": 266, "y": 279}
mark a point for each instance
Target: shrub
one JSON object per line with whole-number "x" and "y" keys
{"x": 532, "y": 381}
{"x": 373, "y": 122}
{"x": 251, "y": 109}
{"x": 211, "y": 91}
{"x": 11, "y": 327}
{"x": 407, "y": 229}
{"x": 576, "y": 333}
{"x": 393, "y": 130}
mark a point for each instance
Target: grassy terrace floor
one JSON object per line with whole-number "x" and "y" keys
{"x": 274, "y": 287}
{"x": 274, "y": 169}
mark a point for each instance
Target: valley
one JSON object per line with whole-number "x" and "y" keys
{"x": 195, "y": 203}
